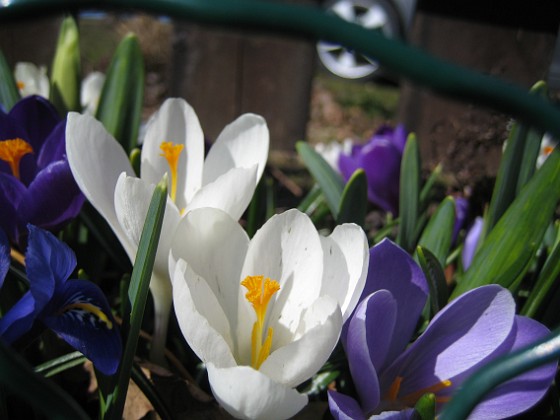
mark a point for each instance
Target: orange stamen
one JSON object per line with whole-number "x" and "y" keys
{"x": 12, "y": 151}
{"x": 171, "y": 153}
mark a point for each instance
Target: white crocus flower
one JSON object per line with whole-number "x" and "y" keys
{"x": 90, "y": 92}
{"x": 174, "y": 144}
{"x": 264, "y": 314}
{"x": 31, "y": 80}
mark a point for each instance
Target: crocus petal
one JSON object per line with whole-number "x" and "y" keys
{"x": 297, "y": 361}
{"x": 52, "y": 198}
{"x": 286, "y": 249}
{"x": 246, "y": 393}
{"x": 241, "y": 144}
{"x": 49, "y": 263}
{"x": 369, "y": 335}
{"x": 81, "y": 316}
{"x": 461, "y": 335}
{"x": 201, "y": 318}
{"x": 346, "y": 260}
{"x": 96, "y": 161}
{"x": 231, "y": 192}
{"x": 12, "y": 192}
{"x": 54, "y": 147}
{"x": 176, "y": 122}
{"x": 38, "y": 116}
{"x": 91, "y": 91}
{"x": 215, "y": 246}
{"x": 392, "y": 269}
{"x": 471, "y": 242}
{"x": 4, "y": 256}
{"x": 524, "y": 391}
{"x": 18, "y": 320}
{"x": 347, "y": 165}
{"x": 32, "y": 79}
{"x": 343, "y": 407}
{"x": 406, "y": 414}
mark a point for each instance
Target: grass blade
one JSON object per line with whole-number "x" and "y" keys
{"x": 409, "y": 195}
{"x": 9, "y": 93}
{"x": 353, "y": 204}
{"x": 438, "y": 234}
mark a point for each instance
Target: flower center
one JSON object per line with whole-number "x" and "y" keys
{"x": 259, "y": 292}
{"x": 81, "y": 309}
{"x": 410, "y": 400}
{"x": 20, "y": 85}
{"x": 12, "y": 151}
{"x": 171, "y": 153}
{"x": 548, "y": 150}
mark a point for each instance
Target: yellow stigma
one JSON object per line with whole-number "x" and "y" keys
{"x": 12, "y": 151}
{"x": 259, "y": 293}
{"x": 171, "y": 153}
{"x": 92, "y": 309}
{"x": 410, "y": 400}
{"x": 20, "y": 85}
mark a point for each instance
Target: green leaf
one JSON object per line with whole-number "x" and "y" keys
{"x": 514, "y": 239}
{"x": 9, "y": 93}
{"x": 438, "y": 234}
{"x": 312, "y": 200}
{"x": 428, "y": 186}
{"x": 436, "y": 278}
{"x": 515, "y": 157}
{"x": 18, "y": 378}
{"x": 65, "y": 72}
{"x": 409, "y": 194}
{"x": 354, "y": 200}
{"x": 120, "y": 104}
{"x": 137, "y": 296}
{"x": 331, "y": 183}
{"x": 426, "y": 407}
{"x": 60, "y": 364}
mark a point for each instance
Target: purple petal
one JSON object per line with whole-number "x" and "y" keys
{"x": 347, "y": 165}
{"x": 54, "y": 147}
{"x": 52, "y": 198}
{"x": 11, "y": 193}
{"x": 344, "y": 407}
{"x": 81, "y": 316}
{"x": 461, "y": 213}
{"x": 393, "y": 269}
{"x": 4, "y": 256}
{"x": 49, "y": 263}
{"x": 18, "y": 320}
{"x": 461, "y": 336}
{"x": 370, "y": 331}
{"x": 526, "y": 390}
{"x": 38, "y": 116}
{"x": 471, "y": 242}
{"x": 407, "y": 414}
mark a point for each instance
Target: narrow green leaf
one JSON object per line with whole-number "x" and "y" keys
{"x": 66, "y": 72}
{"x": 60, "y": 364}
{"x": 331, "y": 183}
{"x": 426, "y": 407}
{"x": 120, "y": 104}
{"x": 409, "y": 194}
{"x": 135, "y": 157}
{"x": 353, "y": 204}
{"x": 311, "y": 200}
{"x": 498, "y": 371}
{"x": 436, "y": 278}
{"x": 137, "y": 296}
{"x": 429, "y": 185}
{"x": 512, "y": 242}
{"x": 18, "y": 378}
{"x": 9, "y": 93}
{"x": 507, "y": 180}
{"x": 438, "y": 234}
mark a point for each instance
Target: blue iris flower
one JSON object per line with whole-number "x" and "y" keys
{"x": 77, "y": 310}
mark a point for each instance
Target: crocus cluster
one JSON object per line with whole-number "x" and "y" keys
{"x": 173, "y": 145}
{"x": 474, "y": 329}
{"x": 380, "y": 158}
{"x": 36, "y": 184}
{"x": 264, "y": 314}
{"x": 76, "y": 310}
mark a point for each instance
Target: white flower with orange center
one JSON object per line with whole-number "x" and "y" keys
{"x": 264, "y": 314}
{"x": 174, "y": 144}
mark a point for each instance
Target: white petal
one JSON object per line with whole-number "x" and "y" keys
{"x": 32, "y": 80}
{"x": 214, "y": 246}
{"x": 246, "y": 393}
{"x": 201, "y": 319}
{"x": 286, "y": 249}
{"x": 346, "y": 257}
{"x": 91, "y": 91}
{"x": 96, "y": 160}
{"x": 176, "y": 122}
{"x": 296, "y": 362}
{"x": 231, "y": 192}
{"x": 241, "y": 144}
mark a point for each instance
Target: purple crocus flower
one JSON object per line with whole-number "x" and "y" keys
{"x": 381, "y": 159}
{"x": 76, "y": 310}
{"x": 36, "y": 184}
{"x": 469, "y": 332}
{"x": 471, "y": 242}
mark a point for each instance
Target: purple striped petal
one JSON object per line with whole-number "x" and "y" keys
{"x": 11, "y": 193}
{"x": 471, "y": 242}
{"x": 343, "y": 407}
{"x": 18, "y": 320}
{"x": 81, "y": 316}
{"x": 54, "y": 147}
